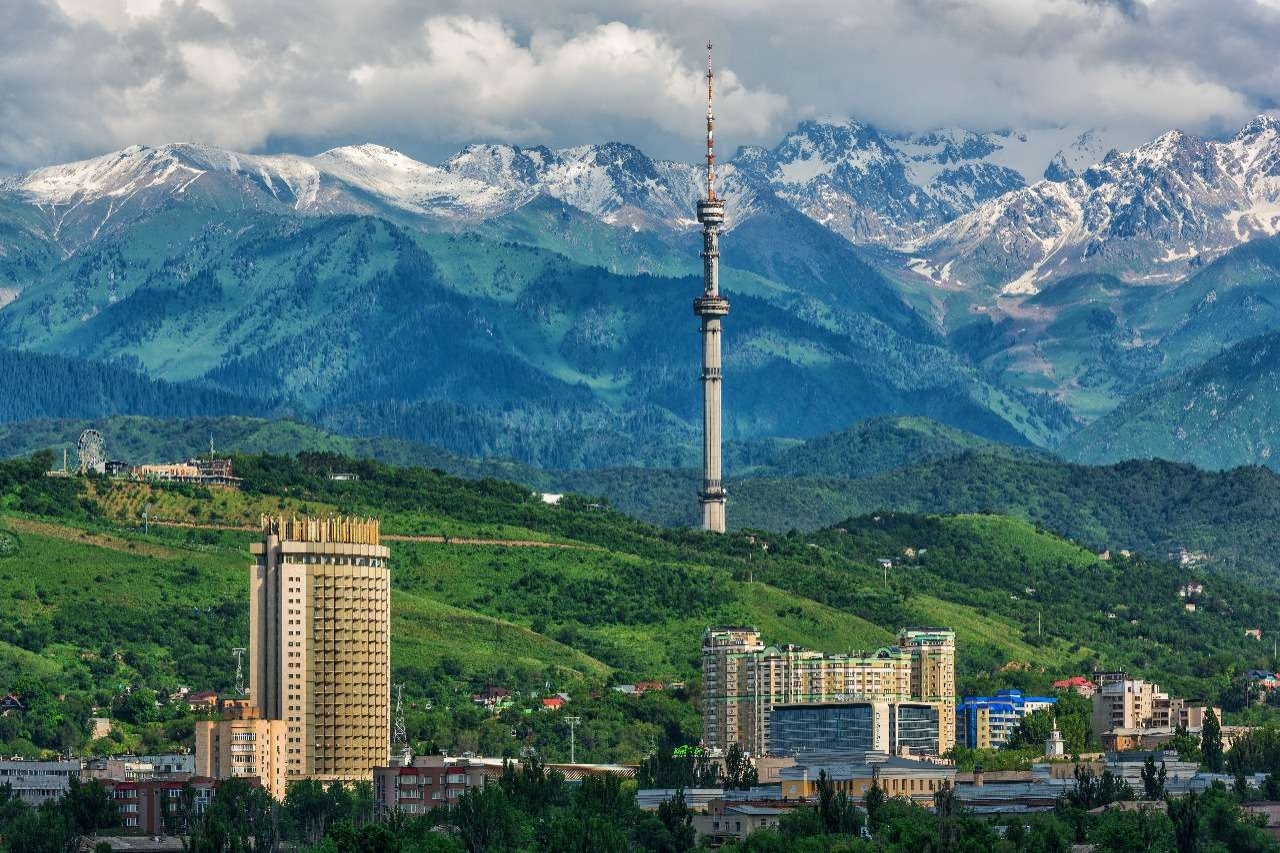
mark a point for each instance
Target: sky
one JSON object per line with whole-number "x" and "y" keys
{"x": 82, "y": 77}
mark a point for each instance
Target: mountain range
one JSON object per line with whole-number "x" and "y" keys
{"x": 1016, "y": 284}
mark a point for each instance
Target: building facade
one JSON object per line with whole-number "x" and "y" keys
{"x": 743, "y": 680}
{"x": 1123, "y": 704}
{"x": 897, "y": 777}
{"x": 33, "y": 782}
{"x": 987, "y": 722}
{"x": 320, "y": 643}
{"x": 430, "y": 781}
{"x": 154, "y": 807}
{"x": 242, "y": 744}
{"x": 891, "y": 727}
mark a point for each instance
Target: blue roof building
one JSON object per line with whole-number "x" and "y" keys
{"x": 987, "y": 722}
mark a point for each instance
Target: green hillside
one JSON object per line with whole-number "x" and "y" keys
{"x": 886, "y": 464}
{"x": 1221, "y": 414}
{"x": 522, "y": 594}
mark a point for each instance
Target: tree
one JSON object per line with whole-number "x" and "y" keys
{"x": 836, "y": 812}
{"x": 872, "y": 801}
{"x": 1184, "y": 812}
{"x": 1121, "y": 831}
{"x": 486, "y": 821}
{"x": 89, "y": 807}
{"x": 1185, "y": 744}
{"x": 1211, "y": 741}
{"x": 1032, "y": 730}
{"x": 1153, "y": 779}
{"x": 678, "y": 820}
{"x": 739, "y": 774}
{"x": 1091, "y": 790}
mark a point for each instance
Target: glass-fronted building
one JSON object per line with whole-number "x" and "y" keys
{"x": 854, "y": 727}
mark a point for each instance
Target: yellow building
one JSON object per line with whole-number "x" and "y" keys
{"x": 242, "y": 744}
{"x": 933, "y": 673}
{"x": 897, "y": 777}
{"x": 319, "y": 643}
{"x": 742, "y": 681}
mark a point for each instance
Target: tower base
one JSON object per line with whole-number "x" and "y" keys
{"x": 713, "y": 515}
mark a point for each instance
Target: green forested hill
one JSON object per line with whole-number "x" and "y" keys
{"x": 35, "y": 385}
{"x": 485, "y": 346}
{"x": 616, "y": 599}
{"x": 888, "y": 464}
{"x": 1217, "y": 415}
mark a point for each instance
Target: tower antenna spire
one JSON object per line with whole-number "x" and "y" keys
{"x": 711, "y": 121}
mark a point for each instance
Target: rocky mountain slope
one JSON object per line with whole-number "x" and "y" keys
{"x": 1150, "y": 214}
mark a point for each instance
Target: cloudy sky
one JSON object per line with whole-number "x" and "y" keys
{"x": 81, "y": 77}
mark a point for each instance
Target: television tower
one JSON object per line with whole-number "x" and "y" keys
{"x": 711, "y": 306}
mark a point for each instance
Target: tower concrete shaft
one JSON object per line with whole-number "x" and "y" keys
{"x": 711, "y": 307}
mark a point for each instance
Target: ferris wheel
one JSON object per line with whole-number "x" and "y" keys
{"x": 91, "y": 452}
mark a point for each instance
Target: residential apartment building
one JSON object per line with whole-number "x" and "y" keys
{"x": 33, "y": 782}
{"x": 743, "y": 680}
{"x": 320, "y": 643}
{"x": 907, "y": 728}
{"x": 987, "y": 722}
{"x": 152, "y": 807}
{"x": 242, "y": 744}
{"x": 1130, "y": 705}
{"x": 430, "y": 781}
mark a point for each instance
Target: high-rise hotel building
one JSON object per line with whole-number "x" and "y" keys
{"x": 743, "y": 680}
{"x": 319, "y": 644}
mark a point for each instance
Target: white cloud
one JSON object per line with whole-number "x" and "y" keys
{"x": 78, "y": 77}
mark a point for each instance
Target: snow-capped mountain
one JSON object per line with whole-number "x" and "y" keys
{"x": 876, "y": 187}
{"x": 615, "y": 182}
{"x": 80, "y": 199}
{"x": 1145, "y": 214}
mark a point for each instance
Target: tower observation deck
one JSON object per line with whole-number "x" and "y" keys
{"x": 711, "y": 307}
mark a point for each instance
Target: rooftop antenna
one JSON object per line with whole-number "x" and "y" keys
{"x": 240, "y": 653}
{"x": 711, "y": 121}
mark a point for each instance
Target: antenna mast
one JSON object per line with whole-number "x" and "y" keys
{"x": 399, "y": 736}
{"x": 240, "y": 653}
{"x": 711, "y": 121}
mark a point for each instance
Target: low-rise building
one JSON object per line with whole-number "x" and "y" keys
{"x": 34, "y": 782}
{"x": 140, "y": 767}
{"x": 150, "y": 807}
{"x": 1079, "y": 684}
{"x": 736, "y": 814}
{"x": 427, "y": 781}
{"x": 854, "y": 774}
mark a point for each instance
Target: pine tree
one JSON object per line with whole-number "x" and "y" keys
{"x": 1211, "y": 741}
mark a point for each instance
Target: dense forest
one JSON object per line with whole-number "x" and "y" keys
{"x": 52, "y": 386}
